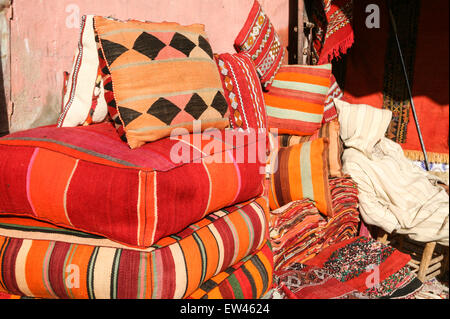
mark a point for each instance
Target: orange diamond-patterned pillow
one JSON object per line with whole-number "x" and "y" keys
{"x": 163, "y": 77}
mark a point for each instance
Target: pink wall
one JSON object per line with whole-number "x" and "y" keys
{"x": 44, "y": 36}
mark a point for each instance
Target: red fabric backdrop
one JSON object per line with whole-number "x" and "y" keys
{"x": 366, "y": 72}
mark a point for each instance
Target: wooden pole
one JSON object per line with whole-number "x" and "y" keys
{"x": 413, "y": 109}
{"x": 301, "y": 35}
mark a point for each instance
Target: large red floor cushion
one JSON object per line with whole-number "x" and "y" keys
{"x": 86, "y": 178}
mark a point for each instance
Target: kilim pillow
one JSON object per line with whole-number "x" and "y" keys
{"x": 295, "y": 101}
{"x": 243, "y": 91}
{"x": 300, "y": 171}
{"x": 260, "y": 40}
{"x": 99, "y": 102}
{"x": 83, "y": 101}
{"x": 334, "y": 92}
{"x": 330, "y": 130}
{"x": 163, "y": 77}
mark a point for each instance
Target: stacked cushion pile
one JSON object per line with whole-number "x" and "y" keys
{"x": 79, "y": 197}
{"x": 138, "y": 191}
{"x": 313, "y": 205}
{"x": 298, "y": 231}
{"x": 63, "y": 175}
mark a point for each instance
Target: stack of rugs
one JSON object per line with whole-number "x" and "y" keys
{"x": 298, "y": 231}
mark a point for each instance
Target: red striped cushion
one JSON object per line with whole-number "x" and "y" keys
{"x": 40, "y": 260}
{"x": 251, "y": 278}
{"x": 242, "y": 90}
{"x": 260, "y": 40}
{"x": 295, "y": 101}
{"x": 330, "y": 130}
{"x": 63, "y": 175}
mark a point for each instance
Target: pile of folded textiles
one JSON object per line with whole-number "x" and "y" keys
{"x": 298, "y": 231}
{"x": 357, "y": 268}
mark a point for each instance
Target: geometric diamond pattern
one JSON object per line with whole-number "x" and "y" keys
{"x": 220, "y": 103}
{"x": 145, "y": 62}
{"x": 182, "y": 44}
{"x": 108, "y": 86}
{"x": 148, "y": 45}
{"x": 128, "y": 115}
{"x": 204, "y": 44}
{"x": 196, "y": 106}
{"x": 164, "y": 110}
{"x": 112, "y": 50}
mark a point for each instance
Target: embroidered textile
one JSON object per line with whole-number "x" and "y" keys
{"x": 260, "y": 40}
{"x": 334, "y": 32}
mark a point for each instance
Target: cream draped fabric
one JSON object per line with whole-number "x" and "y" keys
{"x": 394, "y": 194}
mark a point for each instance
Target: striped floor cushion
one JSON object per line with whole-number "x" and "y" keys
{"x": 301, "y": 171}
{"x": 330, "y": 130}
{"x": 64, "y": 175}
{"x": 40, "y": 260}
{"x": 251, "y": 278}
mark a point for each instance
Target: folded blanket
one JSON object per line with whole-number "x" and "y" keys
{"x": 298, "y": 231}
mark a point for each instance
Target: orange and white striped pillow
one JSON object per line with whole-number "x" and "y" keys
{"x": 329, "y": 130}
{"x": 295, "y": 101}
{"x": 301, "y": 171}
